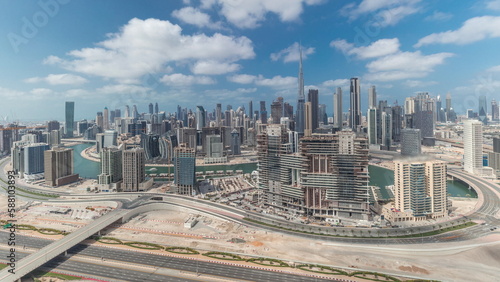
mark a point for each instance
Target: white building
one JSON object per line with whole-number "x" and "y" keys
{"x": 473, "y": 146}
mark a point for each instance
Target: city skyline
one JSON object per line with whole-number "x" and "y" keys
{"x": 252, "y": 55}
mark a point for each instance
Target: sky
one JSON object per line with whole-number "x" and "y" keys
{"x": 202, "y": 52}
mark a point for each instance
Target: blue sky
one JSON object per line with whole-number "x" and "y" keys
{"x": 202, "y": 52}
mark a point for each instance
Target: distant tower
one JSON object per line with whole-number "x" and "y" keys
{"x": 313, "y": 97}
{"x": 263, "y": 112}
{"x": 151, "y": 108}
{"x": 299, "y": 116}
{"x": 483, "y": 111}
{"x": 372, "y": 97}
{"x": 308, "y": 113}
{"x": 372, "y": 125}
{"x": 184, "y": 170}
{"x": 127, "y": 112}
{"x": 218, "y": 115}
{"x": 111, "y": 166}
{"x": 337, "y": 108}
{"x": 70, "y": 119}
{"x": 410, "y": 142}
{"x": 200, "y": 118}
{"x": 134, "y": 173}
{"x": 99, "y": 120}
{"x": 494, "y": 110}
{"x": 105, "y": 119}
{"x": 157, "y": 110}
{"x": 135, "y": 113}
{"x": 355, "y": 107}
{"x": 448, "y": 102}
{"x": 58, "y": 166}
{"x": 250, "y": 110}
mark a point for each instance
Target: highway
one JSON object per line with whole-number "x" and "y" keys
{"x": 204, "y": 268}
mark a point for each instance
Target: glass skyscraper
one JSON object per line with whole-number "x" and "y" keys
{"x": 70, "y": 119}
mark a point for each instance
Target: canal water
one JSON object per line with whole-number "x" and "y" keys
{"x": 378, "y": 176}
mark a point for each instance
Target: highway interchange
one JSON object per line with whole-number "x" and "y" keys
{"x": 486, "y": 213}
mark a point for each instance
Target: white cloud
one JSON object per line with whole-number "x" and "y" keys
{"x": 292, "y": 53}
{"x": 494, "y": 69}
{"x": 41, "y": 91}
{"x": 214, "y": 67}
{"x": 122, "y": 89}
{"x": 493, "y": 5}
{"x": 179, "y": 79}
{"x": 58, "y": 79}
{"x": 439, "y": 17}
{"x": 336, "y": 83}
{"x": 250, "y": 14}
{"x": 242, "y": 78}
{"x": 385, "y": 12}
{"x": 378, "y": 48}
{"x": 195, "y": 17}
{"x": 246, "y": 90}
{"x": 418, "y": 83}
{"x": 472, "y": 30}
{"x": 404, "y": 65}
{"x": 147, "y": 46}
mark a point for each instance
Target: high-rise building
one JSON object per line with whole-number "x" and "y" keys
{"x": 250, "y": 110}
{"x": 200, "y": 118}
{"x": 99, "y": 120}
{"x": 58, "y": 166}
{"x": 53, "y": 125}
{"x": 299, "y": 116}
{"x": 133, "y": 170}
{"x": 372, "y": 97}
{"x": 151, "y": 145}
{"x": 105, "y": 119}
{"x": 355, "y": 106}
{"x": 337, "y": 108}
{"x": 184, "y": 170}
{"x": 372, "y": 125}
{"x": 448, "y": 103}
{"x": 473, "y": 146}
{"x": 111, "y": 166}
{"x": 34, "y": 158}
{"x": 322, "y": 117}
{"x": 494, "y": 110}
{"x": 218, "y": 115}
{"x": 235, "y": 142}
{"x": 483, "y": 111}
{"x": 276, "y": 111}
{"x": 386, "y": 130}
{"x": 313, "y": 98}
{"x": 151, "y": 108}
{"x": 397, "y": 123}
{"x": 419, "y": 190}
{"x": 410, "y": 142}
{"x": 494, "y": 157}
{"x": 308, "y": 119}
{"x": 70, "y": 119}
{"x": 263, "y": 112}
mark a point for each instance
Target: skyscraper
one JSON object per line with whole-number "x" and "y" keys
{"x": 151, "y": 108}
{"x": 410, "y": 142}
{"x": 70, "y": 119}
{"x": 58, "y": 166}
{"x": 483, "y": 111}
{"x": 299, "y": 116}
{"x": 494, "y": 110}
{"x": 386, "y": 130}
{"x": 372, "y": 125}
{"x": 184, "y": 170}
{"x": 372, "y": 97}
{"x": 355, "y": 106}
{"x": 134, "y": 173}
{"x": 200, "y": 118}
{"x": 34, "y": 159}
{"x": 105, "y": 119}
{"x": 276, "y": 111}
{"x": 99, "y": 120}
{"x": 263, "y": 112}
{"x": 308, "y": 121}
{"x": 218, "y": 115}
{"x": 420, "y": 190}
{"x": 250, "y": 110}
{"x": 157, "y": 110}
{"x": 337, "y": 108}
{"x": 110, "y": 166}
{"x": 313, "y": 98}
{"x": 473, "y": 146}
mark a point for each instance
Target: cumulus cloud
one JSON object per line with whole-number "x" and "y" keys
{"x": 242, "y": 78}
{"x": 472, "y": 30}
{"x": 385, "y": 12}
{"x": 214, "y": 67}
{"x": 278, "y": 81}
{"x": 494, "y": 69}
{"x": 292, "y": 53}
{"x": 493, "y": 5}
{"x": 378, "y": 48}
{"x": 404, "y": 65}
{"x": 250, "y": 14}
{"x": 58, "y": 79}
{"x": 195, "y": 17}
{"x": 418, "y": 83}
{"x": 439, "y": 17}
{"x": 179, "y": 79}
{"x": 336, "y": 83}
{"x": 147, "y": 46}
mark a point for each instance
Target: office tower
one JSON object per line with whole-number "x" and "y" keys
{"x": 105, "y": 119}
{"x": 483, "y": 111}
{"x": 448, "y": 102}
{"x": 397, "y": 123}
{"x": 5, "y": 139}
{"x": 494, "y": 157}
{"x": 335, "y": 175}
{"x": 322, "y": 117}
{"x": 419, "y": 190}
{"x": 299, "y": 115}
{"x": 276, "y": 111}
{"x": 214, "y": 149}
{"x": 337, "y": 108}
{"x": 494, "y": 110}
{"x": 112, "y": 116}
{"x": 134, "y": 173}
{"x": 386, "y": 130}
{"x": 263, "y": 112}
{"x": 372, "y": 97}
{"x": 313, "y": 98}
{"x": 218, "y": 115}
{"x": 440, "y": 117}
{"x": 410, "y": 142}
{"x": 200, "y": 118}
{"x": 235, "y": 143}
{"x": 372, "y": 125}
{"x": 34, "y": 158}
{"x": 58, "y": 166}
{"x": 70, "y": 119}
{"x": 151, "y": 145}
{"x": 288, "y": 110}
{"x": 250, "y": 110}
{"x": 54, "y": 138}
{"x": 99, "y": 120}
{"x": 473, "y": 146}
{"x": 184, "y": 170}
{"x": 355, "y": 107}
{"x": 151, "y": 108}
{"x": 110, "y": 138}
{"x": 308, "y": 119}
{"x": 111, "y": 166}
{"x": 409, "y": 105}
{"x": 53, "y": 125}
{"x": 118, "y": 113}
